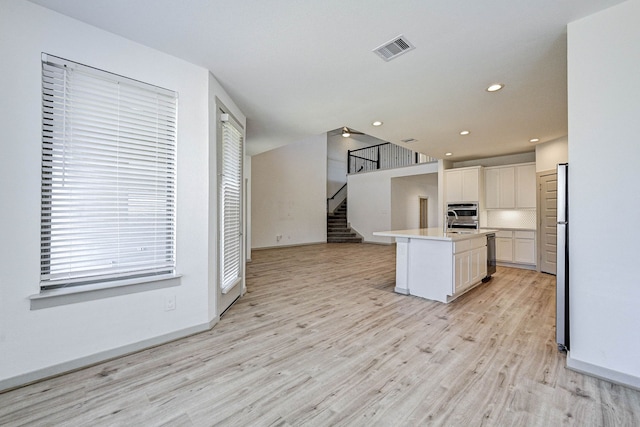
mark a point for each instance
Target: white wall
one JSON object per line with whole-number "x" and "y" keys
{"x": 549, "y": 154}
{"x": 406, "y": 192}
{"x": 510, "y": 159}
{"x": 34, "y": 343}
{"x": 604, "y": 106}
{"x": 337, "y": 152}
{"x": 288, "y": 195}
{"x": 370, "y": 199}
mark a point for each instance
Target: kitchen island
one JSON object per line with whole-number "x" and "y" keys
{"x": 436, "y": 265}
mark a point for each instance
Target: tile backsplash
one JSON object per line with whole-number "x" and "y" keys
{"x": 511, "y": 219}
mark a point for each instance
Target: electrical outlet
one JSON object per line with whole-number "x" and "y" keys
{"x": 170, "y": 303}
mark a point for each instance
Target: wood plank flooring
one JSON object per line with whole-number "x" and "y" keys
{"x": 321, "y": 339}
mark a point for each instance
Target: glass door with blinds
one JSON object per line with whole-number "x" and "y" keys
{"x": 230, "y": 211}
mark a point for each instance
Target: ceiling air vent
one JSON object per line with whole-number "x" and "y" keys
{"x": 408, "y": 140}
{"x": 394, "y": 48}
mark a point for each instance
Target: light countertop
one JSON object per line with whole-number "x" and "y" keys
{"x": 509, "y": 229}
{"x": 434, "y": 233}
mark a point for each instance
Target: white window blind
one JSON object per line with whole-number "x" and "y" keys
{"x": 231, "y": 207}
{"x": 108, "y": 176}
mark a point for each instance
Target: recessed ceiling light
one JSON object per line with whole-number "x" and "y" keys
{"x": 448, "y": 154}
{"x": 465, "y": 132}
{"x": 534, "y": 140}
{"x": 495, "y": 87}
{"x": 377, "y": 123}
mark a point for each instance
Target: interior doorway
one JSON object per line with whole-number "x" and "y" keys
{"x": 547, "y": 218}
{"x": 424, "y": 212}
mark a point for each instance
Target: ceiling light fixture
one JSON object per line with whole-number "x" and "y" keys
{"x": 495, "y": 87}
{"x": 465, "y": 132}
{"x": 448, "y": 154}
{"x": 345, "y": 133}
{"x": 534, "y": 140}
{"x": 377, "y": 123}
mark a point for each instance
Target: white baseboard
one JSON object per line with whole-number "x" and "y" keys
{"x": 379, "y": 243}
{"x": 288, "y": 246}
{"x": 603, "y": 373}
{"x": 514, "y": 265}
{"x": 94, "y": 359}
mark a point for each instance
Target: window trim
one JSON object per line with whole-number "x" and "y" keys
{"x": 71, "y": 295}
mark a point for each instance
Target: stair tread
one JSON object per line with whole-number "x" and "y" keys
{"x": 338, "y": 230}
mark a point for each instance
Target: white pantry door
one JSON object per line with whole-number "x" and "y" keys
{"x": 547, "y": 196}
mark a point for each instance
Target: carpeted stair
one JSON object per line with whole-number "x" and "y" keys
{"x": 337, "y": 229}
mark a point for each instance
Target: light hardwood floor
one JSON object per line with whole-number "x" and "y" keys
{"x": 321, "y": 339}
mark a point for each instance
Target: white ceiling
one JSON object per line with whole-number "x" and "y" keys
{"x": 298, "y": 68}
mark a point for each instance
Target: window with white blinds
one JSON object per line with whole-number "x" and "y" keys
{"x": 231, "y": 206}
{"x": 108, "y": 176}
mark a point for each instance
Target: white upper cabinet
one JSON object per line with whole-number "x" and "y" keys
{"x": 510, "y": 187}
{"x": 526, "y": 186}
{"x": 491, "y": 188}
{"x": 462, "y": 185}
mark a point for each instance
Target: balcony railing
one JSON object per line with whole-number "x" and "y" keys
{"x": 383, "y": 156}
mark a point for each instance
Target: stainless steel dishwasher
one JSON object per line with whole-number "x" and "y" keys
{"x": 491, "y": 256}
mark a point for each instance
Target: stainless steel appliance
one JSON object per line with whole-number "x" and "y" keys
{"x": 491, "y": 256}
{"x": 562, "y": 272}
{"x": 463, "y": 215}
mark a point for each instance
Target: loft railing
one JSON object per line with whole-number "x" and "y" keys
{"x": 383, "y": 156}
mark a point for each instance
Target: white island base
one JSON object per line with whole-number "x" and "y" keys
{"x": 436, "y": 265}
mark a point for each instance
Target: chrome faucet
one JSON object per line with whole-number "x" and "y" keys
{"x": 446, "y": 219}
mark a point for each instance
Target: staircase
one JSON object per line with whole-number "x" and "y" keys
{"x": 337, "y": 229}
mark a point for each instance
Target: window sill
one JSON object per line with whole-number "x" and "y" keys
{"x": 72, "y": 295}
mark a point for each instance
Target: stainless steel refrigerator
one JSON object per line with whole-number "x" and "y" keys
{"x": 562, "y": 272}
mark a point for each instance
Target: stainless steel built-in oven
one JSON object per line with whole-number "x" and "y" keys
{"x": 463, "y": 215}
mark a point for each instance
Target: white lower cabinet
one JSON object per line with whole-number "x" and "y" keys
{"x": 470, "y": 265}
{"x": 516, "y": 247}
{"x": 524, "y": 245}
{"x": 504, "y": 247}
{"x": 461, "y": 274}
{"x": 438, "y": 267}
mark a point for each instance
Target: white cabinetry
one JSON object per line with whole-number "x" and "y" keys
{"x": 504, "y": 246}
{"x": 525, "y": 186}
{"x": 463, "y": 184}
{"x": 524, "y": 245}
{"x": 517, "y": 247}
{"x": 510, "y": 187}
{"x": 437, "y": 266}
{"x": 470, "y": 263}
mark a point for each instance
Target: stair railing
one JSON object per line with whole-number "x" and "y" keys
{"x": 383, "y": 156}
{"x": 338, "y": 197}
